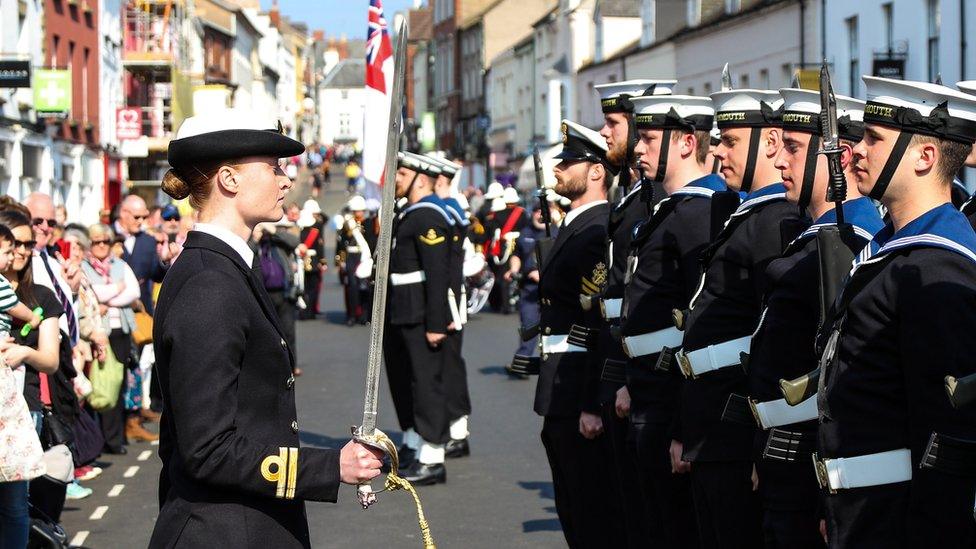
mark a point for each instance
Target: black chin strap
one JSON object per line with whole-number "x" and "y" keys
{"x": 662, "y": 159}
{"x": 901, "y": 145}
{"x": 716, "y": 165}
{"x": 406, "y": 194}
{"x": 809, "y": 173}
{"x": 755, "y": 134}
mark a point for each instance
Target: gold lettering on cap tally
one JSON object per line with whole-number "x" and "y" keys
{"x": 879, "y": 110}
{"x": 793, "y": 117}
{"x": 731, "y": 117}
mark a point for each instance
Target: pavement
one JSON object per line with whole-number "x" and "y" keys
{"x": 500, "y": 496}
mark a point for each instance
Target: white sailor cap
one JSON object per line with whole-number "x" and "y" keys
{"x": 968, "y": 86}
{"x": 801, "y": 112}
{"x": 684, "y": 112}
{"x": 227, "y": 134}
{"x": 747, "y": 108}
{"x": 448, "y": 168}
{"x": 921, "y": 108}
{"x": 615, "y": 96}
{"x": 495, "y": 190}
{"x": 356, "y": 203}
{"x": 582, "y": 143}
{"x": 418, "y": 163}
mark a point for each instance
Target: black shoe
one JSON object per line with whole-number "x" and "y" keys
{"x": 350, "y": 321}
{"x": 456, "y": 448}
{"x": 406, "y": 455}
{"x": 424, "y": 474}
{"x": 120, "y": 451}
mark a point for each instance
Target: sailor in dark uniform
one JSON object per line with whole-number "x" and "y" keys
{"x": 455, "y": 371}
{"x": 234, "y": 474}
{"x": 355, "y": 242}
{"x": 419, "y": 318}
{"x": 566, "y": 396}
{"x": 897, "y": 462}
{"x": 968, "y": 207}
{"x": 663, "y": 271}
{"x": 616, "y": 102}
{"x": 782, "y": 347}
{"x": 724, "y": 312}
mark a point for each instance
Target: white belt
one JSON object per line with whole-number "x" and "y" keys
{"x": 713, "y": 357}
{"x": 559, "y": 344}
{"x": 352, "y": 249}
{"x": 653, "y": 342}
{"x": 862, "y": 471}
{"x": 611, "y": 308}
{"x": 776, "y": 413}
{"x": 402, "y": 279}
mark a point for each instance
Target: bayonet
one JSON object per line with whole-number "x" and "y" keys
{"x": 367, "y": 432}
{"x": 795, "y": 81}
{"x": 542, "y": 245}
{"x": 830, "y": 144}
{"x": 726, "y": 78}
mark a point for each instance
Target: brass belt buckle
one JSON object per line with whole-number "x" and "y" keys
{"x": 685, "y": 366}
{"x": 755, "y": 412}
{"x": 623, "y": 343}
{"x": 820, "y": 466}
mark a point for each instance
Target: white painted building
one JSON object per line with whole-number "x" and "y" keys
{"x": 510, "y": 108}
{"x": 26, "y": 152}
{"x": 925, "y": 35}
{"x": 763, "y": 42}
{"x": 342, "y": 103}
{"x": 246, "y": 69}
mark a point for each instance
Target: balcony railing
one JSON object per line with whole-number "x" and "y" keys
{"x": 151, "y": 32}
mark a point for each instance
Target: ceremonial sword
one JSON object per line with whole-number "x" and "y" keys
{"x": 367, "y": 433}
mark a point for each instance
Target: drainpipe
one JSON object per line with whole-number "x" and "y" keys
{"x": 803, "y": 32}
{"x": 823, "y": 28}
{"x": 962, "y": 40}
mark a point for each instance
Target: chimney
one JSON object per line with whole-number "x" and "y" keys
{"x": 275, "y": 15}
{"x": 343, "y": 47}
{"x": 318, "y": 35}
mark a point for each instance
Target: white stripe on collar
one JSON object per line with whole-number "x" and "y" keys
{"x": 692, "y": 190}
{"x": 431, "y": 205}
{"x": 753, "y": 202}
{"x": 867, "y": 258}
{"x": 814, "y": 228}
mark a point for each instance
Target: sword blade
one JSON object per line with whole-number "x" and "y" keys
{"x": 382, "y": 264}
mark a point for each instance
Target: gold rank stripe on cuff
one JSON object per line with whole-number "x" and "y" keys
{"x": 285, "y": 473}
{"x": 588, "y": 287}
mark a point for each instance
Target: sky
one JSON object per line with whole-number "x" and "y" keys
{"x": 336, "y": 16}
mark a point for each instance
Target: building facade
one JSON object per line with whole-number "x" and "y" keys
{"x": 342, "y": 103}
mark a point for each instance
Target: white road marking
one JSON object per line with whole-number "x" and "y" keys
{"x": 154, "y": 443}
{"x": 114, "y": 492}
{"x": 144, "y": 455}
{"x": 131, "y": 471}
{"x": 79, "y": 538}
{"x": 99, "y": 512}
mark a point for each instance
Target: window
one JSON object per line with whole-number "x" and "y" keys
{"x": 55, "y": 46}
{"x": 934, "y": 18}
{"x": 84, "y": 85}
{"x": 31, "y": 158}
{"x": 854, "y": 65}
{"x": 744, "y": 81}
{"x": 694, "y": 12}
{"x": 733, "y": 6}
{"x": 707, "y": 88}
{"x": 764, "y": 79}
{"x": 888, "y": 20}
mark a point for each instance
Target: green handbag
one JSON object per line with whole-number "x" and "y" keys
{"x": 106, "y": 378}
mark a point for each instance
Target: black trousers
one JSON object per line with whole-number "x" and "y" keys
{"x": 286, "y": 316}
{"x": 670, "y": 511}
{"x": 790, "y": 504}
{"x": 113, "y": 421}
{"x": 583, "y": 495}
{"x": 456, "y": 377}
{"x": 934, "y": 509}
{"x": 628, "y": 501}
{"x": 416, "y": 375}
{"x": 726, "y": 507}
{"x": 313, "y": 285}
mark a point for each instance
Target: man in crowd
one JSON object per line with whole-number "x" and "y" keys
{"x": 148, "y": 256}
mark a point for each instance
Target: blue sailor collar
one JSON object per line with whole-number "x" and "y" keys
{"x": 455, "y": 209}
{"x": 625, "y": 200}
{"x": 770, "y": 193}
{"x": 703, "y": 186}
{"x": 861, "y": 213}
{"x": 941, "y": 227}
{"x": 430, "y": 201}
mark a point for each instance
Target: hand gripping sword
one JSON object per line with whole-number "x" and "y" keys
{"x": 367, "y": 433}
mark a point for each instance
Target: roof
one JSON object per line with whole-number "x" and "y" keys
{"x": 619, "y": 8}
{"x": 476, "y": 16}
{"x": 348, "y": 73}
{"x": 421, "y": 24}
{"x": 548, "y": 17}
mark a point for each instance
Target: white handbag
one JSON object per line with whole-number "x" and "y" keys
{"x": 21, "y": 456}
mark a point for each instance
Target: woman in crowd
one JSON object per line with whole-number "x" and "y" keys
{"x": 116, "y": 288}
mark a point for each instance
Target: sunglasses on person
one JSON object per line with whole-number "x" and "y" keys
{"x": 171, "y": 217}
{"x": 25, "y": 244}
{"x": 38, "y": 221}
{"x": 100, "y": 242}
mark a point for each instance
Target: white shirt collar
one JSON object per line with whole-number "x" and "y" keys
{"x": 229, "y": 238}
{"x": 575, "y": 212}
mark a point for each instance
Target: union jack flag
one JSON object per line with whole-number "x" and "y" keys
{"x": 378, "y": 47}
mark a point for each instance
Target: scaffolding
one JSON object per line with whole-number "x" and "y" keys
{"x": 153, "y": 33}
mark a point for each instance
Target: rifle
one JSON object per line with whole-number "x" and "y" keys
{"x": 543, "y": 245}
{"x": 834, "y": 253}
{"x": 961, "y": 391}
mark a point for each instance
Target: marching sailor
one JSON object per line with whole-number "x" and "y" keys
{"x": 724, "y": 312}
{"x": 969, "y": 206}
{"x": 782, "y": 347}
{"x": 574, "y": 272}
{"x": 896, "y": 461}
{"x": 355, "y": 241}
{"x": 662, "y": 275}
{"x": 455, "y": 370}
{"x": 616, "y": 102}
{"x": 234, "y": 473}
{"x": 419, "y": 318}
{"x": 503, "y": 227}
